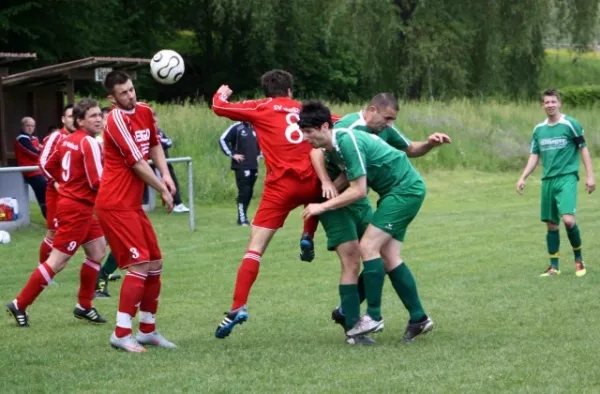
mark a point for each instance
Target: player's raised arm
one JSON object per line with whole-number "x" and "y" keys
{"x": 421, "y": 148}
{"x": 92, "y": 160}
{"x": 245, "y": 111}
{"x": 317, "y": 157}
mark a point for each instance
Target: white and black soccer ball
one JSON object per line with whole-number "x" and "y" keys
{"x": 167, "y": 67}
{"x": 4, "y": 237}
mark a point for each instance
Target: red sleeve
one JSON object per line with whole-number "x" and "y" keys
{"x": 118, "y": 128}
{"x": 244, "y": 111}
{"x": 52, "y": 166}
{"x": 92, "y": 161}
{"x": 335, "y": 118}
{"x": 49, "y": 145}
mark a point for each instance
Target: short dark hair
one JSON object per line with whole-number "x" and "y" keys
{"x": 81, "y": 108}
{"x": 384, "y": 101}
{"x": 115, "y": 77}
{"x": 313, "y": 114}
{"x": 550, "y": 92}
{"x": 276, "y": 83}
{"x": 67, "y": 107}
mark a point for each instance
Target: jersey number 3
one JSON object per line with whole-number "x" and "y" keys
{"x": 293, "y": 133}
{"x": 66, "y": 167}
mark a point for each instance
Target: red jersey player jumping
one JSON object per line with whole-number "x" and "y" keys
{"x": 130, "y": 137}
{"x": 290, "y": 181}
{"x": 76, "y": 164}
{"x": 49, "y": 145}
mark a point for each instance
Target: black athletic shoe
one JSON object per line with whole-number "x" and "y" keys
{"x": 90, "y": 315}
{"x": 413, "y": 330}
{"x": 102, "y": 290}
{"x": 307, "y": 248}
{"x": 22, "y": 318}
{"x": 114, "y": 277}
{"x": 338, "y": 317}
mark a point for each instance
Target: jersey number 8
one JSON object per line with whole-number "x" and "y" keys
{"x": 293, "y": 130}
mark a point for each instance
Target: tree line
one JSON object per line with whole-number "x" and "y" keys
{"x": 342, "y": 50}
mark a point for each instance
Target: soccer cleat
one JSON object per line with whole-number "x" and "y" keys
{"x": 307, "y": 248}
{"x": 90, "y": 314}
{"x": 21, "y": 317}
{"x": 127, "y": 343}
{"x": 102, "y": 290}
{"x": 231, "y": 318}
{"x": 338, "y": 317}
{"x": 364, "y": 326}
{"x": 180, "y": 208}
{"x": 114, "y": 277}
{"x": 580, "y": 268}
{"x": 413, "y": 330}
{"x": 360, "y": 340}
{"x": 551, "y": 271}
{"x": 155, "y": 339}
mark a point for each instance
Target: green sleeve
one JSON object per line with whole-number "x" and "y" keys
{"x": 354, "y": 157}
{"x": 396, "y": 138}
{"x": 535, "y": 147}
{"x": 578, "y": 131}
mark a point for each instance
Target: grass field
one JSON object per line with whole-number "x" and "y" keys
{"x": 476, "y": 250}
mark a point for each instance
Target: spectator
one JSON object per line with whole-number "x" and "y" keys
{"x": 239, "y": 142}
{"x": 27, "y": 151}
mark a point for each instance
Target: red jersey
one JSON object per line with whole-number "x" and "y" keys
{"x": 49, "y": 144}
{"x": 279, "y": 137}
{"x": 128, "y": 137}
{"x": 76, "y": 164}
{"x": 27, "y": 151}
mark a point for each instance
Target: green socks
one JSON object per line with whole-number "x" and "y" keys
{"x": 350, "y": 305}
{"x": 575, "y": 239}
{"x": 553, "y": 242}
{"x": 406, "y": 288}
{"x": 110, "y": 266}
{"x": 374, "y": 275}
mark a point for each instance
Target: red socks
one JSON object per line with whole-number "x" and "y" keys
{"x": 132, "y": 292}
{"x": 38, "y": 280}
{"x": 45, "y": 249}
{"x": 149, "y": 304}
{"x": 87, "y": 282}
{"x": 246, "y": 276}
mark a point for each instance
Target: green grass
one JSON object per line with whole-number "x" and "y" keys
{"x": 476, "y": 250}
{"x": 569, "y": 68}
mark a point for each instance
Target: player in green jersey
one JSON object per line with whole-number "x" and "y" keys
{"x": 369, "y": 160}
{"x": 559, "y": 142}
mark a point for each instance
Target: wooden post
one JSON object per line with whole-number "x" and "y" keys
{"x": 70, "y": 91}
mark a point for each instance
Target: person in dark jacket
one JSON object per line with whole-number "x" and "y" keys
{"x": 240, "y": 144}
{"x": 27, "y": 151}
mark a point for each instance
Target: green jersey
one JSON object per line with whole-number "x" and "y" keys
{"x": 558, "y": 146}
{"x": 391, "y": 135}
{"x": 388, "y": 170}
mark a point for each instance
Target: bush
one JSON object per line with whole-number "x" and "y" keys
{"x": 581, "y": 96}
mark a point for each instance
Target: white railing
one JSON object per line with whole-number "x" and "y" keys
{"x": 188, "y": 160}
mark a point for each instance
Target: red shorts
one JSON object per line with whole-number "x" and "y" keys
{"x": 282, "y": 196}
{"x": 76, "y": 225}
{"x": 51, "y": 202}
{"x": 130, "y": 236}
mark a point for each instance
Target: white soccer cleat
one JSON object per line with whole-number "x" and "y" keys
{"x": 180, "y": 208}
{"x": 155, "y": 339}
{"x": 364, "y": 326}
{"x": 127, "y": 343}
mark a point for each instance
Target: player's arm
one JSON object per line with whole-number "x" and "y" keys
{"x": 532, "y": 162}
{"x": 52, "y": 167}
{"x": 317, "y": 157}
{"x": 245, "y": 111}
{"x": 46, "y": 152}
{"x": 157, "y": 155}
{"x": 579, "y": 140}
{"x": 142, "y": 170}
{"x": 92, "y": 161}
{"x": 421, "y": 148}
{"x": 355, "y": 191}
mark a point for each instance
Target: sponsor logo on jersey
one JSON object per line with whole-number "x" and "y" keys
{"x": 142, "y": 135}
{"x": 553, "y": 143}
{"x": 70, "y": 145}
{"x": 286, "y": 109}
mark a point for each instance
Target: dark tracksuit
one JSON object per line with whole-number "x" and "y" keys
{"x": 240, "y": 138}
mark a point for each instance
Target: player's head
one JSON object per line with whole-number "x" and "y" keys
{"x": 551, "y": 102}
{"x": 277, "y": 83}
{"x": 381, "y": 111}
{"x": 28, "y": 125}
{"x": 120, "y": 90}
{"x": 315, "y": 123}
{"x": 88, "y": 116}
{"x": 67, "y": 118}
{"x": 105, "y": 112}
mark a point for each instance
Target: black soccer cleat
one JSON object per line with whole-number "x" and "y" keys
{"x": 231, "y": 319}
{"x": 114, "y": 277}
{"x": 338, "y": 317}
{"x": 307, "y": 248}
{"x": 413, "y": 330}
{"x": 90, "y": 315}
{"x": 21, "y": 317}
{"x": 102, "y": 290}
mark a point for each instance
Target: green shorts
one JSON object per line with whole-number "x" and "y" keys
{"x": 559, "y": 197}
{"x": 346, "y": 224}
{"x": 395, "y": 211}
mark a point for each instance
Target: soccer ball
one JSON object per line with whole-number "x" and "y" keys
{"x": 4, "y": 237}
{"x": 167, "y": 67}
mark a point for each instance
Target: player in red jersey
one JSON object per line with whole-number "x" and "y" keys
{"x": 290, "y": 181}
{"x": 76, "y": 164}
{"x": 130, "y": 138}
{"x": 49, "y": 145}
